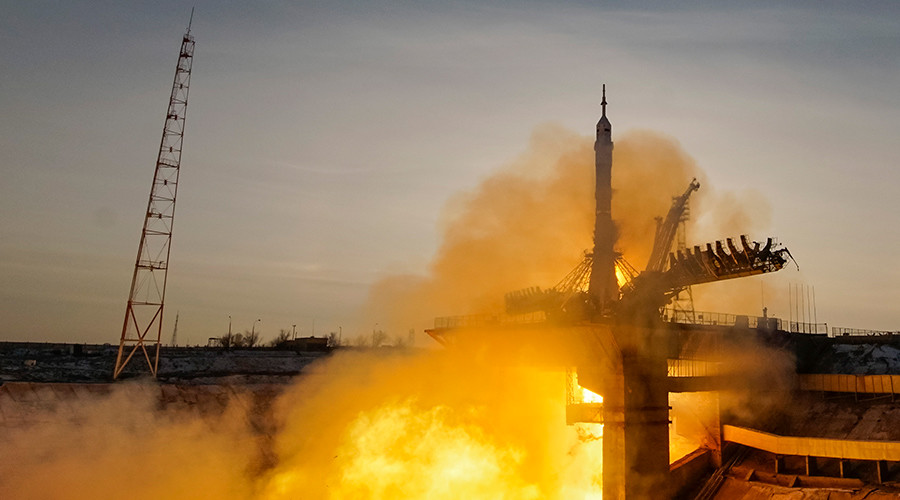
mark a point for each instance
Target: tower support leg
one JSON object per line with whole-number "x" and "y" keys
{"x": 636, "y": 419}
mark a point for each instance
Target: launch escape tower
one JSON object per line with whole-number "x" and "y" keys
{"x": 142, "y": 327}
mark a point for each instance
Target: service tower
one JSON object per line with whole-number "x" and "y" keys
{"x": 603, "y": 288}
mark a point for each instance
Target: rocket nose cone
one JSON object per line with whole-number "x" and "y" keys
{"x": 604, "y": 128}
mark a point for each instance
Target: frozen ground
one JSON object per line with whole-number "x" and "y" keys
{"x": 31, "y": 362}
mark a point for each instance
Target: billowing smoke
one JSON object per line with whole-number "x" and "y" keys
{"x": 360, "y": 425}
{"x": 120, "y": 444}
{"x": 648, "y": 170}
{"x": 432, "y": 425}
{"x": 760, "y": 380}
{"x": 720, "y": 214}
{"x": 529, "y": 223}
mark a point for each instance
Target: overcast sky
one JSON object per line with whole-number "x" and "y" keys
{"x": 323, "y": 138}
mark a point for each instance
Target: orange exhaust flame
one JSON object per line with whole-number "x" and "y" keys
{"x": 620, "y": 277}
{"x": 491, "y": 432}
{"x": 403, "y": 451}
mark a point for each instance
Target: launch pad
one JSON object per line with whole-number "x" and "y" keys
{"x": 604, "y": 321}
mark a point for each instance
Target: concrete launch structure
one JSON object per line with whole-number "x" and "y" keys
{"x": 613, "y": 335}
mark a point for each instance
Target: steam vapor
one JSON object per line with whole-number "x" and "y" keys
{"x": 529, "y": 223}
{"x": 394, "y": 426}
{"x": 377, "y": 426}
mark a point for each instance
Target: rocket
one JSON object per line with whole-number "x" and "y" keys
{"x": 603, "y": 288}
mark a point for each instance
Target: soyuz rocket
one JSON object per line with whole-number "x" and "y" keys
{"x": 603, "y": 288}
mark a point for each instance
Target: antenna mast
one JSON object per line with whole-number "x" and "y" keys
{"x": 143, "y": 323}
{"x": 175, "y": 332}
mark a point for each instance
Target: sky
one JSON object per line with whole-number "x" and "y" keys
{"x": 323, "y": 140}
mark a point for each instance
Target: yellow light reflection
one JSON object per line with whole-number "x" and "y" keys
{"x": 620, "y": 277}
{"x": 589, "y": 396}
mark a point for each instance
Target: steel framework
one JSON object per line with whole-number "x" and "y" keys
{"x": 142, "y": 327}
{"x": 683, "y": 303}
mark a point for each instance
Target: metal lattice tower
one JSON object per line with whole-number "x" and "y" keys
{"x": 683, "y": 304}
{"x": 143, "y": 323}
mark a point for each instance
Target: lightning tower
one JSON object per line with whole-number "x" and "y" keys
{"x": 142, "y": 328}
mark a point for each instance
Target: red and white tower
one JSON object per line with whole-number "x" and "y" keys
{"x": 142, "y": 328}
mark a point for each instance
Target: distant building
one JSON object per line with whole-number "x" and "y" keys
{"x": 306, "y": 344}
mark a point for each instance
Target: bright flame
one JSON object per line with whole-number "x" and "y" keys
{"x": 680, "y": 446}
{"x": 592, "y": 455}
{"x": 589, "y": 396}
{"x": 620, "y": 277}
{"x": 493, "y": 433}
{"x": 404, "y": 451}
{"x": 357, "y": 426}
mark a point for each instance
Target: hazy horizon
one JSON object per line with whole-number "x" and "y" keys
{"x": 323, "y": 142}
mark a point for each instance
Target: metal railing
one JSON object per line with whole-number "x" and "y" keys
{"x": 811, "y": 328}
{"x": 670, "y": 315}
{"x": 481, "y": 320}
{"x": 698, "y": 318}
{"x": 840, "y": 331}
{"x": 678, "y": 367}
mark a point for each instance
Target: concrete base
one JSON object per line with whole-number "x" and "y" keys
{"x": 635, "y": 414}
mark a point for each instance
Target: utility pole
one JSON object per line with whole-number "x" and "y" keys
{"x": 142, "y": 327}
{"x": 175, "y": 332}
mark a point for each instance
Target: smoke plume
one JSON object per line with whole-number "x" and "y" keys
{"x": 432, "y": 425}
{"x": 529, "y": 223}
{"x": 373, "y": 425}
{"x": 396, "y": 426}
{"x": 109, "y": 446}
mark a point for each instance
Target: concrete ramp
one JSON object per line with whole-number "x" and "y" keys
{"x": 858, "y": 384}
{"x": 813, "y": 447}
